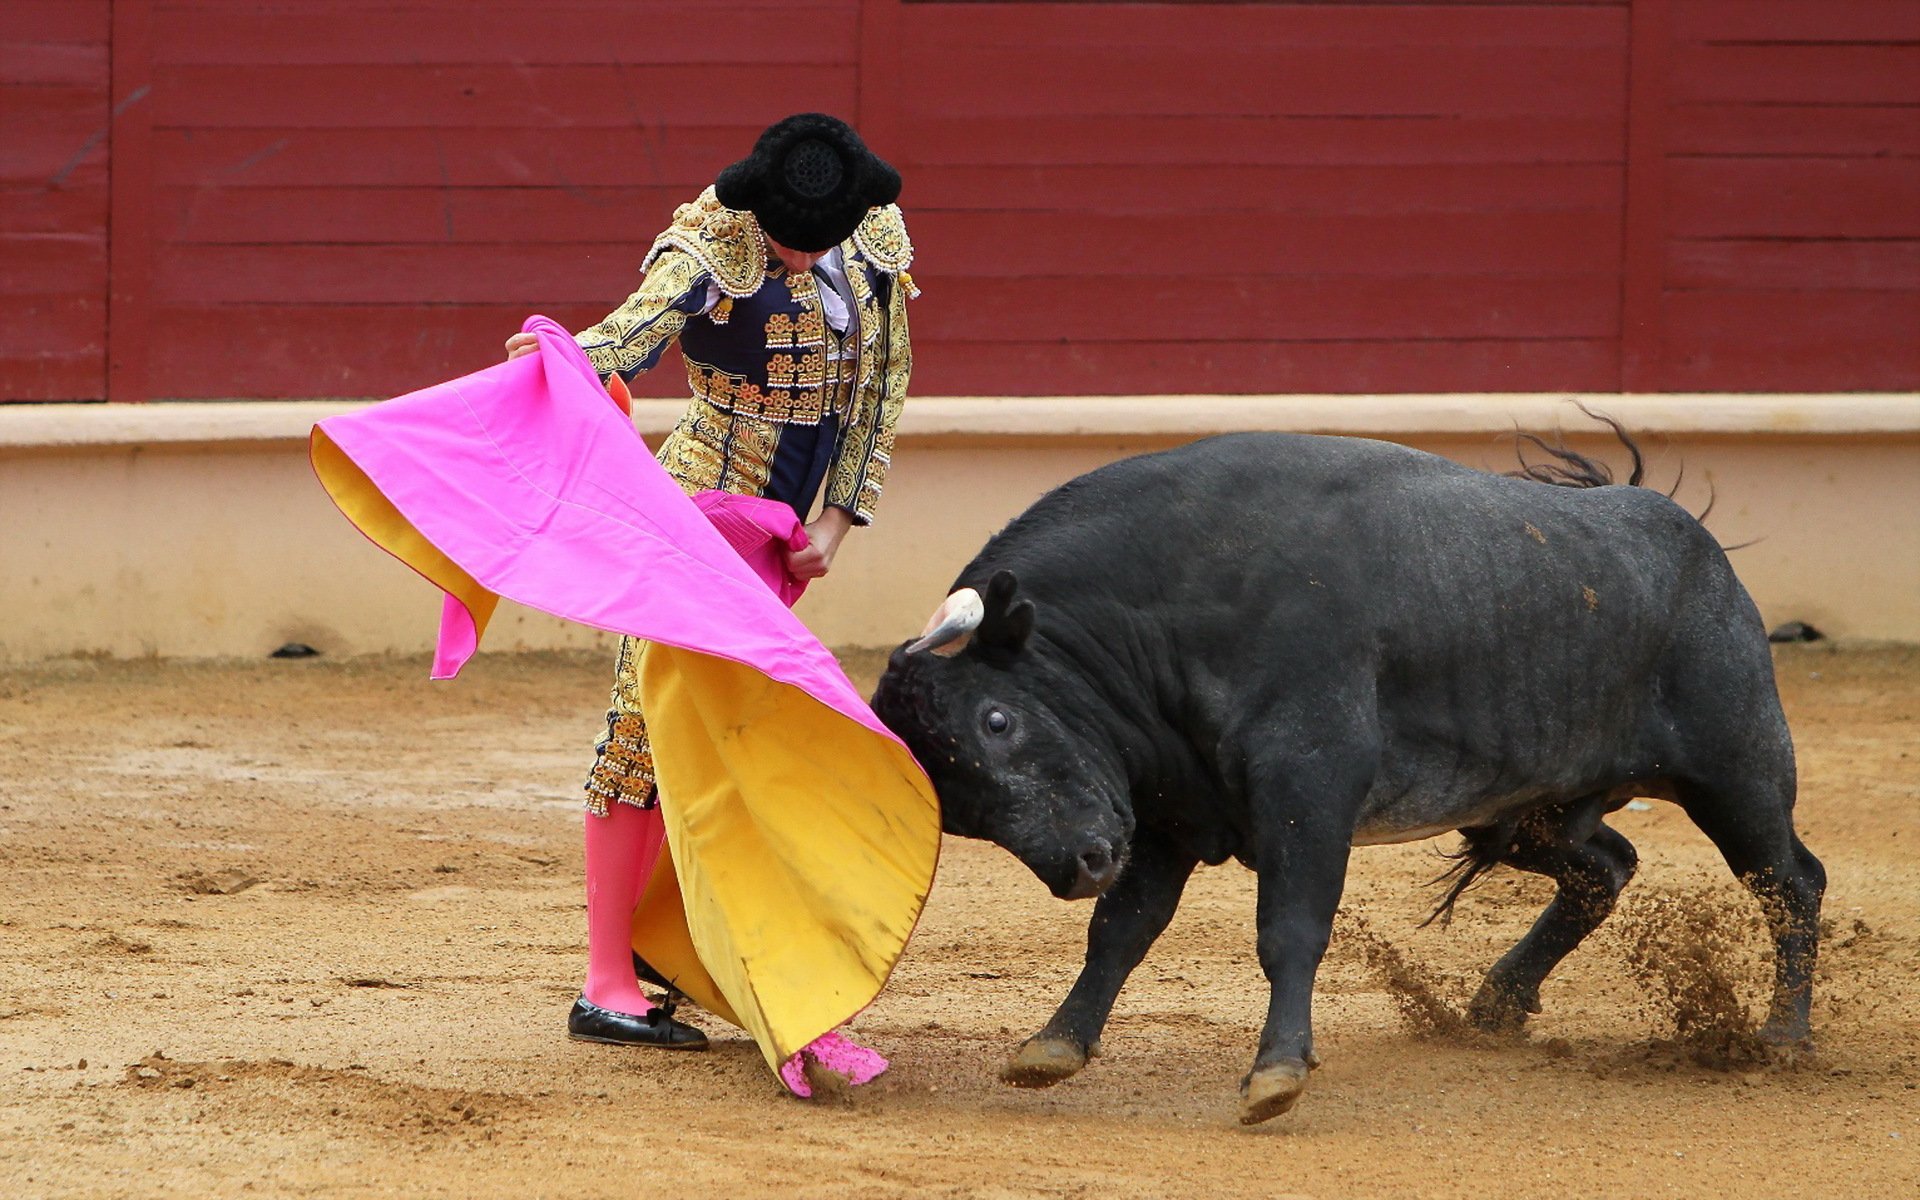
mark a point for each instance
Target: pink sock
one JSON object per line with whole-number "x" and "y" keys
{"x": 834, "y": 1052}
{"x": 621, "y": 850}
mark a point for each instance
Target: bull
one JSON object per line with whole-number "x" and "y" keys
{"x": 1275, "y": 647}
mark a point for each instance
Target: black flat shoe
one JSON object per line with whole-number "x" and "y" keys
{"x": 588, "y": 1022}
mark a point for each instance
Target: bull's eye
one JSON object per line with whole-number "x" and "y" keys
{"x": 997, "y": 721}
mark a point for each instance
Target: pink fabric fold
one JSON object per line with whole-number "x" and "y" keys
{"x": 530, "y": 478}
{"x": 761, "y": 532}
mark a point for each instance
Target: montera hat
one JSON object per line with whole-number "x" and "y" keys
{"x": 809, "y": 182}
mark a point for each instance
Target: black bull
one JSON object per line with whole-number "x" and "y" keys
{"x": 1275, "y": 647}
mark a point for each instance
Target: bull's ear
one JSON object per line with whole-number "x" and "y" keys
{"x": 1000, "y": 590}
{"x": 1011, "y": 629}
{"x": 1008, "y": 622}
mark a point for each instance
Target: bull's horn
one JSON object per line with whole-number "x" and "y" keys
{"x": 947, "y": 633}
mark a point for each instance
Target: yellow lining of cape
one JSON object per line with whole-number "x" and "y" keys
{"x": 375, "y": 516}
{"x": 803, "y": 848}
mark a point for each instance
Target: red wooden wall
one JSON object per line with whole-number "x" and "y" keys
{"x": 1790, "y": 252}
{"x": 53, "y": 199}
{"x": 1309, "y": 197}
{"x": 357, "y": 197}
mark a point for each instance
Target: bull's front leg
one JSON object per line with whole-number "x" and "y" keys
{"x": 1126, "y": 920}
{"x": 1302, "y": 840}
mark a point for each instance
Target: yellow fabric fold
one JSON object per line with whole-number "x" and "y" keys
{"x": 802, "y": 845}
{"x": 375, "y": 516}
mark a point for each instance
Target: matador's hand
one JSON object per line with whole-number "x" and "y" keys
{"x": 521, "y": 343}
{"x": 824, "y": 536}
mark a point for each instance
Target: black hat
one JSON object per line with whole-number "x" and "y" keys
{"x": 809, "y": 181}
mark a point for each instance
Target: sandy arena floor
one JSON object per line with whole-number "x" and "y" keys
{"x": 312, "y": 927}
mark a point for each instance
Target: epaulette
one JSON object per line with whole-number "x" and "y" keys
{"x": 725, "y": 241}
{"x": 882, "y": 239}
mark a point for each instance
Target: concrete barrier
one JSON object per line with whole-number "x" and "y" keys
{"x": 181, "y": 529}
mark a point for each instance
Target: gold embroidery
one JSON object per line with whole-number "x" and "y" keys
{"x": 780, "y": 331}
{"x": 810, "y": 329}
{"x": 860, "y": 466}
{"x": 623, "y": 757}
{"x": 712, "y": 448}
{"x": 882, "y": 237}
{"x": 633, "y": 333}
{"x": 726, "y": 242}
{"x": 781, "y": 372}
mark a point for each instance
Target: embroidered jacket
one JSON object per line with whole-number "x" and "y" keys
{"x": 770, "y": 377}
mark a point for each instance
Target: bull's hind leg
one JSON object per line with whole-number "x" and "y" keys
{"x": 1590, "y": 863}
{"x": 1752, "y": 825}
{"x": 1126, "y": 920}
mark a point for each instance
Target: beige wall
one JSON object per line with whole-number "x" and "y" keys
{"x": 198, "y": 530}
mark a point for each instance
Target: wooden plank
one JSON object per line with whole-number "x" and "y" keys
{"x": 388, "y": 215}
{"x": 61, "y": 325}
{"x": 41, "y": 209}
{"x": 1020, "y": 244}
{"x": 640, "y": 14}
{"x": 725, "y": 34}
{"x": 994, "y": 244}
{"x": 72, "y": 21}
{"x": 1131, "y": 308}
{"x": 1411, "y": 188}
{"x": 1039, "y": 139}
{"x": 1792, "y": 340}
{"x": 130, "y": 244}
{"x": 598, "y": 274}
{"x": 44, "y": 374}
{"x": 490, "y": 95}
{"x": 53, "y": 155}
{"x": 344, "y": 214}
{"x": 993, "y": 28}
{"x": 882, "y": 82}
{"x": 1172, "y": 79}
{"x": 1796, "y": 21}
{"x": 1803, "y": 130}
{"x": 57, "y": 144}
{"x": 1788, "y": 265}
{"x": 345, "y": 350}
{"x": 1795, "y": 197}
{"x": 689, "y": 157}
{"x": 1796, "y": 74}
{"x": 52, "y": 264}
{"x": 1147, "y": 368}
{"x": 363, "y": 351}
{"x": 1644, "y": 229}
{"x": 56, "y": 64}
{"x": 667, "y": 155}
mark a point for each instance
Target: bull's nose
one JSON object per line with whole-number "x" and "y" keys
{"x": 1097, "y": 869}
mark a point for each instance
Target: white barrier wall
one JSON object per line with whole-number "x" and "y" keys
{"x": 198, "y": 529}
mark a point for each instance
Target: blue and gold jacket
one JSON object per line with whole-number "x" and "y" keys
{"x": 781, "y": 402}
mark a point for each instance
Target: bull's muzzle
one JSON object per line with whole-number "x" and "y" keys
{"x": 1097, "y": 868}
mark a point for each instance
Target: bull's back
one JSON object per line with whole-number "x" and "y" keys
{"x": 1508, "y": 635}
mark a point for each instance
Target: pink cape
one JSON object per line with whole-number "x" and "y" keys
{"x": 803, "y": 835}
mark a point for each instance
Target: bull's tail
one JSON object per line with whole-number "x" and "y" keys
{"x": 1570, "y": 468}
{"x": 1479, "y": 852}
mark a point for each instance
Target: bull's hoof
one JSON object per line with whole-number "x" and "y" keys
{"x": 1043, "y": 1061}
{"x": 1787, "y": 1038}
{"x": 1497, "y": 1010}
{"x": 1268, "y": 1091}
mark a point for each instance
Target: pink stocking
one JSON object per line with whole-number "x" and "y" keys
{"x": 621, "y": 850}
